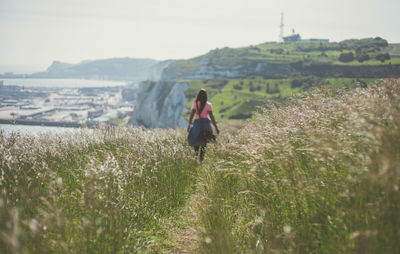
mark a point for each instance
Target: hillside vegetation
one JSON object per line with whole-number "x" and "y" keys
{"x": 239, "y": 80}
{"x": 318, "y": 173}
{"x": 365, "y": 52}
{"x": 234, "y": 99}
{"x": 356, "y": 58}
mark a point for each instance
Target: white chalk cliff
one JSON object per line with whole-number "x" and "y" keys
{"x": 159, "y": 104}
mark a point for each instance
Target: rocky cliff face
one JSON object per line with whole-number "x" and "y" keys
{"x": 159, "y": 104}
{"x": 245, "y": 68}
{"x": 240, "y": 69}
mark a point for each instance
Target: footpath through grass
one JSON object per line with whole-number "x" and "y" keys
{"x": 318, "y": 174}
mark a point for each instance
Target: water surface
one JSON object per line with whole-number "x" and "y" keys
{"x": 60, "y": 83}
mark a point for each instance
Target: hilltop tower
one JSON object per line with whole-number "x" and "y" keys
{"x": 281, "y": 29}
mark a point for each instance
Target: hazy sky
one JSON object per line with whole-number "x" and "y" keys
{"x": 36, "y": 32}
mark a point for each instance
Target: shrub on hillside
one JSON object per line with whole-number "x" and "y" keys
{"x": 382, "y": 57}
{"x": 367, "y": 43}
{"x": 237, "y": 87}
{"x": 304, "y": 82}
{"x": 363, "y": 57}
{"x": 272, "y": 90}
{"x": 251, "y": 87}
{"x": 277, "y": 51}
{"x": 255, "y": 48}
{"x": 346, "y": 57}
{"x": 240, "y": 116}
{"x": 217, "y": 83}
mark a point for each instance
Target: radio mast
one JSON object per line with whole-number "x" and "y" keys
{"x": 281, "y": 31}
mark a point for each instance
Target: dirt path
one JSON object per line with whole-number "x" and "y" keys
{"x": 186, "y": 238}
{"x": 186, "y": 234}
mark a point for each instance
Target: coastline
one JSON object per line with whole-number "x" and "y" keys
{"x": 45, "y": 123}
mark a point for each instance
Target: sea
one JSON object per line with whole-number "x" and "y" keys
{"x": 7, "y": 129}
{"x": 60, "y": 83}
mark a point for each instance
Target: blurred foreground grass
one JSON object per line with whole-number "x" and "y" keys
{"x": 320, "y": 174}
{"x": 93, "y": 192}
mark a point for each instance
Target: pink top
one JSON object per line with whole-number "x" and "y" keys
{"x": 204, "y": 112}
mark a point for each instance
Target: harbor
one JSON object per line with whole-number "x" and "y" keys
{"x": 62, "y": 107}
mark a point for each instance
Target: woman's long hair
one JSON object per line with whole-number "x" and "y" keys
{"x": 202, "y": 98}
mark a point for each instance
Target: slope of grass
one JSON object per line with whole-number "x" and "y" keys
{"x": 111, "y": 191}
{"x": 240, "y": 98}
{"x": 320, "y": 175}
{"x": 292, "y": 52}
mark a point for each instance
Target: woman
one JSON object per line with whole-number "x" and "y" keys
{"x": 201, "y": 132}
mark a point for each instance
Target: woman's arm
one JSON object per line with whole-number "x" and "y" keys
{"x": 213, "y": 121}
{"x": 191, "y": 119}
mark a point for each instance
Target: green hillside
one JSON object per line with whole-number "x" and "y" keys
{"x": 365, "y": 52}
{"x": 239, "y": 80}
{"x": 240, "y": 98}
{"x": 356, "y": 58}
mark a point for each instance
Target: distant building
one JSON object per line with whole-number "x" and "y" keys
{"x": 295, "y": 36}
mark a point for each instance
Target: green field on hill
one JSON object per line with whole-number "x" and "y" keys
{"x": 240, "y": 98}
{"x": 274, "y": 71}
{"x": 365, "y": 52}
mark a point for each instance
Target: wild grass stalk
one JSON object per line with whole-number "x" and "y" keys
{"x": 319, "y": 175}
{"x": 93, "y": 192}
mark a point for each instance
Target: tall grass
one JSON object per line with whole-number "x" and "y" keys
{"x": 319, "y": 175}
{"x": 93, "y": 192}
